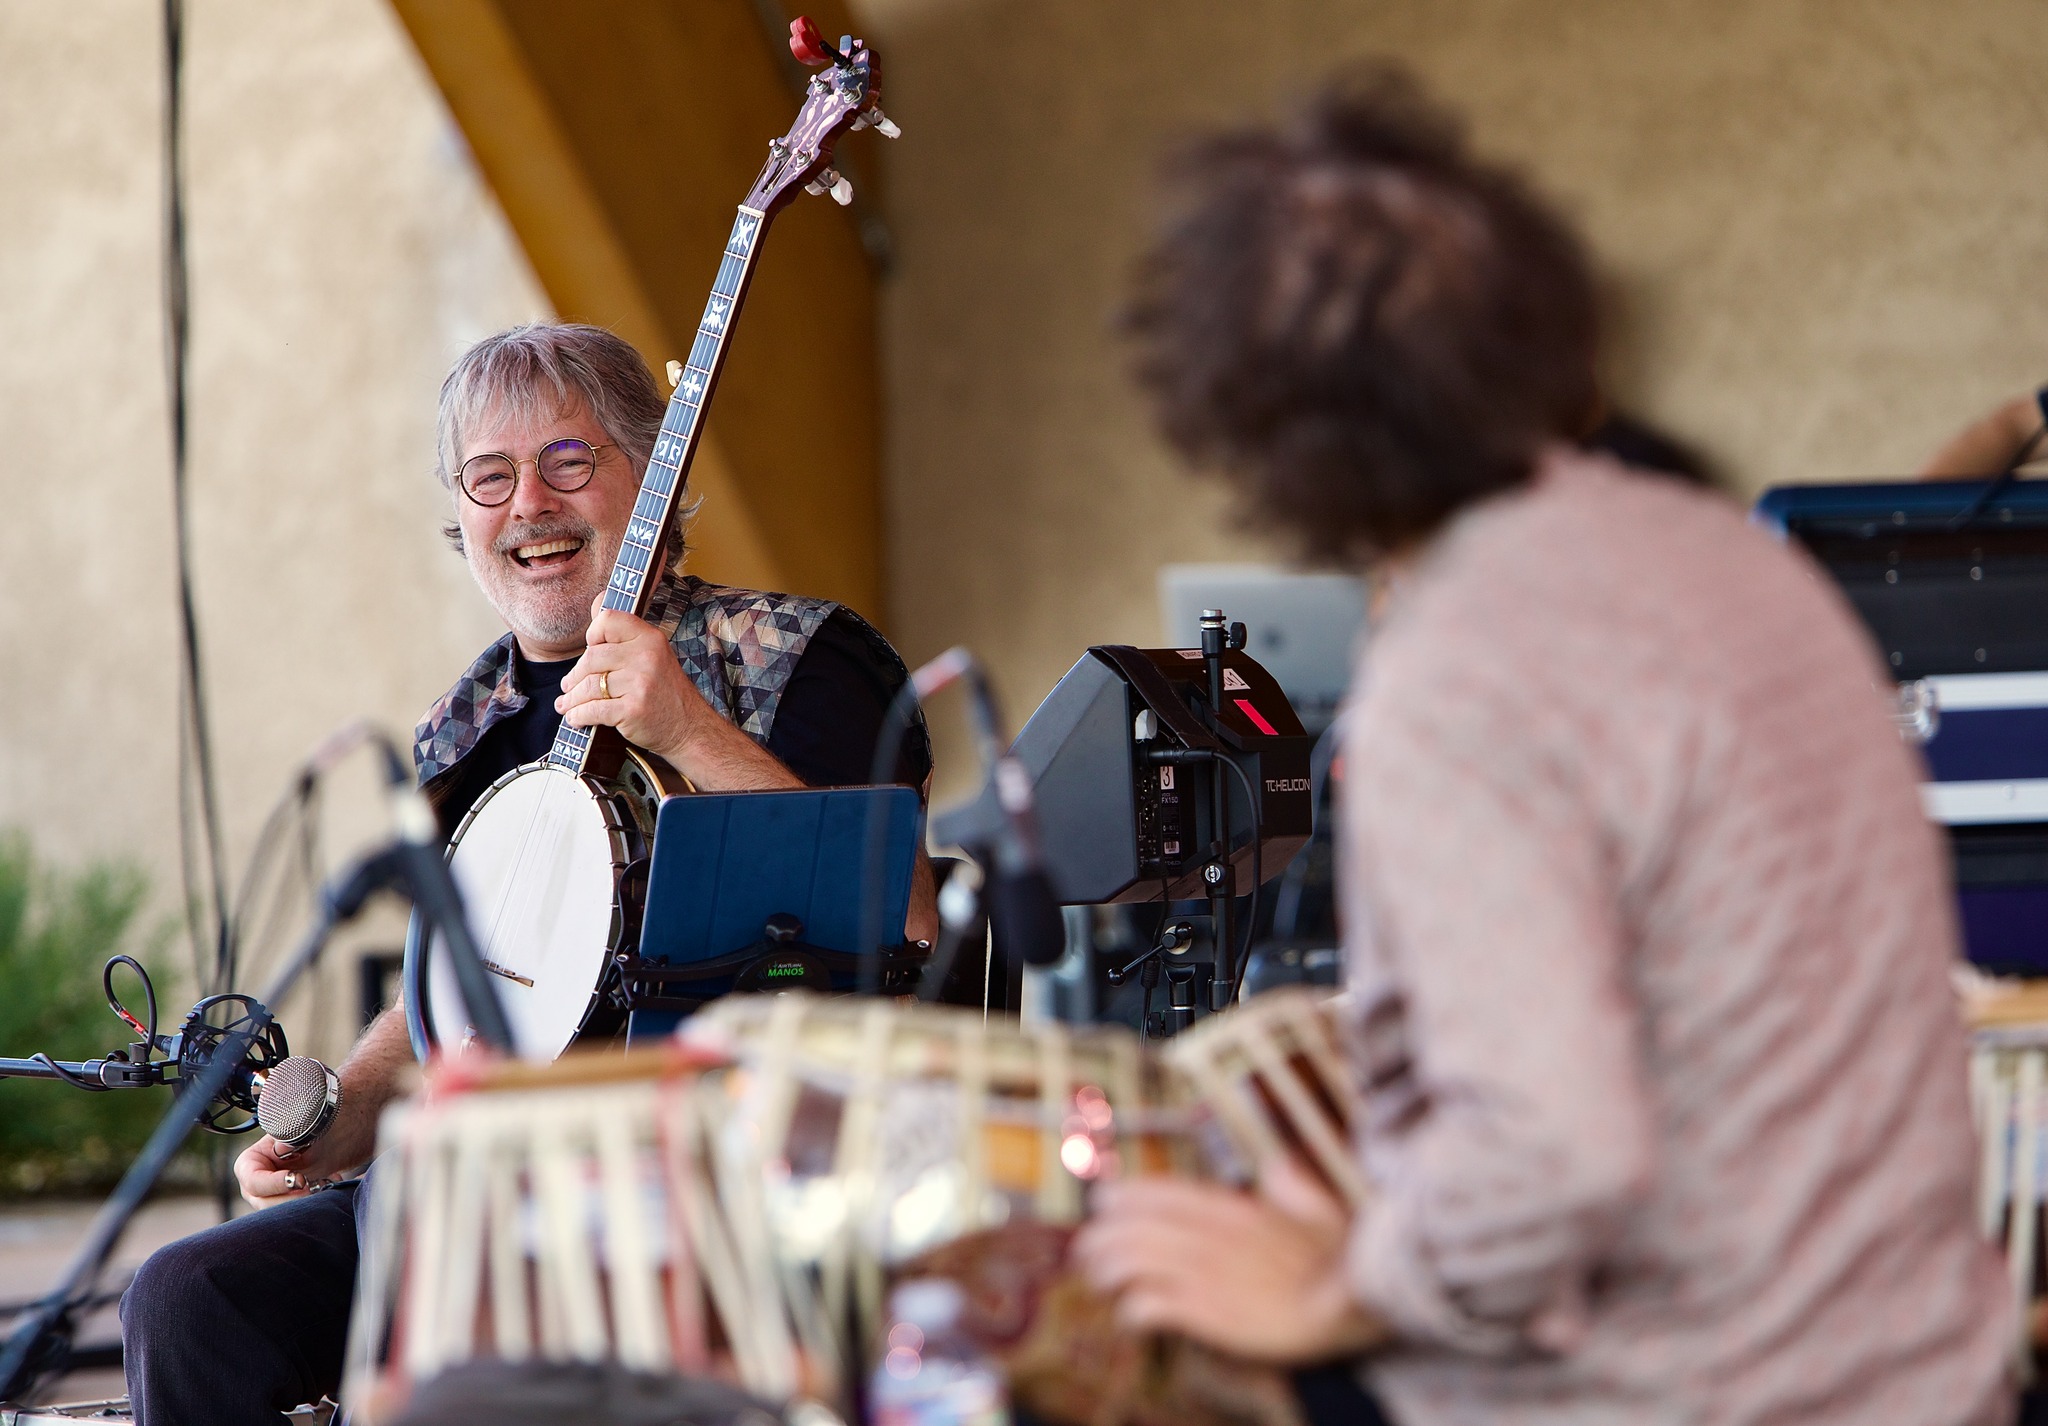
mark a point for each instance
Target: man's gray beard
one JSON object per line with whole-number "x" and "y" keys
{"x": 558, "y": 616}
{"x": 561, "y": 619}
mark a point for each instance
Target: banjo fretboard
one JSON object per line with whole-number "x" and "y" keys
{"x": 635, "y": 572}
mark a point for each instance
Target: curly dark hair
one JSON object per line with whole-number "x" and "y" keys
{"x": 1363, "y": 326}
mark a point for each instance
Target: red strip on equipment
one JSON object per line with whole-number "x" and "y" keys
{"x": 1244, "y": 706}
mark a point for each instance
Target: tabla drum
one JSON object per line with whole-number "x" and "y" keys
{"x": 736, "y": 1204}
{"x": 886, "y": 1129}
{"x": 1271, "y": 1077}
{"x": 730, "y": 1204}
{"x": 580, "y": 1212}
{"x": 901, "y": 1142}
{"x": 2009, "y": 1097}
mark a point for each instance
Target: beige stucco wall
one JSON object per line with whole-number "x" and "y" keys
{"x": 342, "y": 251}
{"x": 1825, "y": 222}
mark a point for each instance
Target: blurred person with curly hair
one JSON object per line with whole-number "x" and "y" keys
{"x": 1648, "y": 939}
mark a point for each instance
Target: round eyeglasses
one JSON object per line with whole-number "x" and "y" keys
{"x": 566, "y": 466}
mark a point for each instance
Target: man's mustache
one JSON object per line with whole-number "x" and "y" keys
{"x": 519, "y": 535}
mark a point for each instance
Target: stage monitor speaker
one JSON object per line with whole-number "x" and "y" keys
{"x": 1117, "y": 823}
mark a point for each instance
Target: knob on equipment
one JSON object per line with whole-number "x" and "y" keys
{"x": 298, "y": 1100}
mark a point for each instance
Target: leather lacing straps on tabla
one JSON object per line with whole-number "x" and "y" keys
{"x": 2020, "y": 1240}
{"x": 1227, "y": 1095}
{"x": 429, "y": 1187}
{"x": 690, "y": 1275}
{"x": 777, "y": 1068}
{"x": 466, "y": 1222}
{"x": 738, "y": 1177}
{"x": 511, "y": 1313}
{"x": 1059, "y": 1192}
{"x": 632, "y": 1253}
{"x": 848, "y": 1266}
{"x": 1125, "y": 1088}
{"x": 775, "y": 1089}
{"x": 1266, "y": 1045}
{"x": 377, "y": 1277}
{"x": 972, "y": 1122}
{"x": 688, "y": 1151}
{"x": 572, "y": 1311}
{"x": 1991, "y": 1100}
{"x": 1276, "y": 1059}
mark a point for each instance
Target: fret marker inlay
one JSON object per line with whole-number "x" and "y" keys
{"x": 632, "y": 571}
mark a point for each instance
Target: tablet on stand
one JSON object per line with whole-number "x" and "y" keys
{"x": 751, "y": 891}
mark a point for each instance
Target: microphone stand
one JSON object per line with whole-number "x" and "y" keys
{"x": 40, "y": 1342}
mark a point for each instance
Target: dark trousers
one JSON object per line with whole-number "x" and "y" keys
{"x": 237, "y": 1325}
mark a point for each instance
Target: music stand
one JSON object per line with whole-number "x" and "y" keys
{"x": 762, "y": 891}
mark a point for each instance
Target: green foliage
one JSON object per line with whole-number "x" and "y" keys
{"x": 56, "y": 930}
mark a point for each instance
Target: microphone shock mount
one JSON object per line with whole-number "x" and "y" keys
{"x": 175, "y": 1059}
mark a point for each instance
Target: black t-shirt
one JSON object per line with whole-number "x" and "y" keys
{"x": 824, "y": 730}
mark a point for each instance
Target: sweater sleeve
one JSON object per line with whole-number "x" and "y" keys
{"x": 1508, "y": 1126}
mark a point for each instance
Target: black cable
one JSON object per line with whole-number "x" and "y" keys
{"x": 147, "y": 1032}
{"x": 76, "y": 1081}
{"x": 2004, "y": 477}
{"x": 1144, "y": 989}
{"x": 195, "y": 746}
{"x": 1251, "y": 920}
{"x": 270, "y": 841}
{"x": 292, "y": 822}
{"x": 896, "y": 725}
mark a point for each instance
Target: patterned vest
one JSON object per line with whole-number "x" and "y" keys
{"x": 739, "y": 647}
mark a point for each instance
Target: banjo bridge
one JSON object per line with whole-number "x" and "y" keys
{"x": 495, "y": 969}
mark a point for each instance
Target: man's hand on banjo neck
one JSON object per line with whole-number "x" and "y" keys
{"x": 628, "y": 679}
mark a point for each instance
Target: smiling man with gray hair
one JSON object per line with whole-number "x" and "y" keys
{"x": 544, "y": 432}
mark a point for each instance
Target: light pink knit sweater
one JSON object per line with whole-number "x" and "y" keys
{"x": 1666, "y": 1087}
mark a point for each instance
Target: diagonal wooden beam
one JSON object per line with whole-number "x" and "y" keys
{"x": 618, "y": 136}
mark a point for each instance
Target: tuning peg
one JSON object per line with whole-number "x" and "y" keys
{"x": 675, "y": 373}
{"x": 882, "y": 124}
{"x": 830, "y": 180}
{"x": 808, "y": 45}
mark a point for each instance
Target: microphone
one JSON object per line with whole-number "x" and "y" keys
{"x": 297, "y": 1101}
{"x": 1021, "y": 900}
{"x": 1022, "y": 906}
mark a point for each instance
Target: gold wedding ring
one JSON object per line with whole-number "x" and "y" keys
{"x": 604, "y": 684}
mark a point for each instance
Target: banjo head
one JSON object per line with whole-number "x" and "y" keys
{"x": 538, "y": 861}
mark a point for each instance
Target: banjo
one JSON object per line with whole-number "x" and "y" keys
{"x": 550, "y": 858}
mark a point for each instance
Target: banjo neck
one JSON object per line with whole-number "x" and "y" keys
{"x": 642, "y": 554}
{"x": 843, "y": 98}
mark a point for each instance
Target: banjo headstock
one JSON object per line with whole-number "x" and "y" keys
{"x": 843, "y": 97}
